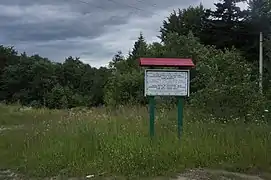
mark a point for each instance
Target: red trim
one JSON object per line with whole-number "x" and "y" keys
{"x": 172, "y": 62}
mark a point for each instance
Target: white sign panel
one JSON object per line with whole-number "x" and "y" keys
{"x": 164, "y": 82}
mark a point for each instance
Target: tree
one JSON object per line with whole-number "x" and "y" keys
{"x": 260, "y": 21}
{"x": 119, "y": 63}
{"x": 267, "y": 65}
{"x": 260, "y": 15}
{"x": 223, "y": 82}
{"x": 7, "y": 56}
{"x": 116, "y": 60}
{"x": 140, "y": 49}
{"x": 156, "y": 50}
{"x": 222, "y": 85}
{"x": 100, "y": 80}
{"x": 43, "y": 81}
{"x": 37, "y": 81}
{"x": 124, "y": 89}
{"x": 126, "y": 83}
{"x": 57, "y": 97}
{"x": 185, "y": 20}
{"x": 16, "y": 80}
{"x": 222, "y": 26}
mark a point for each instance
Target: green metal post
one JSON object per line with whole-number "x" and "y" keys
{"x": 180, "y": 115}
{"x": 151, "y": 111}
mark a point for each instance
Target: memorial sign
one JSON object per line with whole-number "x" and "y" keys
{"x": 163, "y": 82}
{"x": 166, "y": 82}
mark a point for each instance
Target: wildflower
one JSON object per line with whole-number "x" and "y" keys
{"x": 266, "y": 110}
{"x": 90, "y": 176}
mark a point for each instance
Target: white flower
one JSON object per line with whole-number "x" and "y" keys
{"x": 90, "y": 176}
{"x": 266, "y": 110}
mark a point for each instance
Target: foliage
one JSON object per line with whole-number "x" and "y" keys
{"x": 185, "y": 20}
{"x": 267, "y": 50}
{"x": 223, "y": 25}
{"x": 223, "y": 44}
{"x": 39, "y": 82}
{"x": 97, "y": 141}
{"x": 223, "y": 83}
{"x": 125, "y": 89}
{"x": 267, "y": 64}
{"x": 126, "y": 84}
{"x": 229, "y": 89}
{"x": 225, "y": 116}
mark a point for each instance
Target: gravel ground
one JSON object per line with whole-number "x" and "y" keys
{"x": 204, "y": 174}
{"x": 198, "y": 174}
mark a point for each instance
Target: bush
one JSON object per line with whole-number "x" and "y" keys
{"x": 222, "y": 82}
{"x": 125, "y": 88}
{"x": 229, "y": 88}
{"x": 57, "y": 98}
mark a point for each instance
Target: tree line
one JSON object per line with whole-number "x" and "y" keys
{"x": 223, "y": 43}
{"x": 37, "y": 81}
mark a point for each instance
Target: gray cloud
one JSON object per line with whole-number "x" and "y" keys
{"x": 91, "y": 29}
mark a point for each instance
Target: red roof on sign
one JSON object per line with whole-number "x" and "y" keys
{"x": 167, "y": 62}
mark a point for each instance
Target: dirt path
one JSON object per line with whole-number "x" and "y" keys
{"x": 219, "y": 175}
{"x": 198, "y": 174}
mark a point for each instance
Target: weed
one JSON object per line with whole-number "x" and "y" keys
{"x": 94, "y": 141}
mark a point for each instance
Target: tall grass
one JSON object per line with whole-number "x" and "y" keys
{"x": 95, "y": 141}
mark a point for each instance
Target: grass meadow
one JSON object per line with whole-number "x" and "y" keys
{"x": 46, "y": 143}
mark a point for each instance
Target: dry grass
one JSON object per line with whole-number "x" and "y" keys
{"x": 77, "y": 143}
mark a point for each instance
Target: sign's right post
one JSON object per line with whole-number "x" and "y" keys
{"x": 152, "y": 115}
{"x": 180, "y": 115}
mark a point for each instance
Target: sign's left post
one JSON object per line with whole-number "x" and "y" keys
{"x": 152, "y": 114}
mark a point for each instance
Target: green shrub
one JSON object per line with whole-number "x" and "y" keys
{"x": 125, "y": 88}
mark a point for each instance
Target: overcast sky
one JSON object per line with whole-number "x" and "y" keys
{"x": 93, "y": 30}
